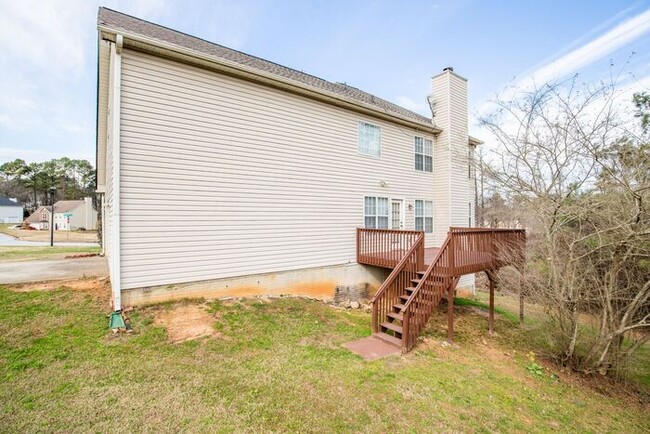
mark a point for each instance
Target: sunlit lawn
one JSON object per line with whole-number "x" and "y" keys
{"x": 276, "y": 366}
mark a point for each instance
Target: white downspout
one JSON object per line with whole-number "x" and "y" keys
{"x": 115, "y": 233}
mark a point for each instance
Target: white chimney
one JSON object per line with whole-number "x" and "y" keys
{"x": 451, "y": 186}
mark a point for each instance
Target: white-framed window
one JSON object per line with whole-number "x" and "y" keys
{"x": 369, "y": 139}
{"x": 375, "y": 212}
{"x": 424, "y": 215}
{"x": 423, "y": 154}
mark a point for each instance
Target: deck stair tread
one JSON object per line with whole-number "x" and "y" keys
{"x": 397, "y": 316}
{"x": 388, "y": 338}
{"x": 392, "y": 326}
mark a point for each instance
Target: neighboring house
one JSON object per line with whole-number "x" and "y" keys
{"x": 224, "y": 174}
{"x": 10, "y": 210}
{"x": 39, "y": 219}
{"x": 68, "y": 215}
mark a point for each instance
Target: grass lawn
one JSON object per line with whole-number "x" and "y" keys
{"x": 278, "y": 366}
{"x": 59, "y": 236}
{"x": 20, "y": 253}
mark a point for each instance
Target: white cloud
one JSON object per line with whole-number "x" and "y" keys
{"x": 47, "y": 69}
{"x": 616, "y": 38}
{"x": 578, "y": 58}
{"x": 45, "y": 34}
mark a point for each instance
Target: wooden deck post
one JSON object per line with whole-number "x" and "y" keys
{"x": 450, "y": 312}
{"x": 522, "y": 275}
{"x": 521, "y": 299}
{"x": 491, "y": 316}
{"x": 450, "y": 289}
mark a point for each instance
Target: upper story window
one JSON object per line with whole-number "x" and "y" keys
{"x": 424, "y": 215}
{"x": 375, "y": 212}
{"x": 423, "y": 154}
{"x": 369, "y": 139}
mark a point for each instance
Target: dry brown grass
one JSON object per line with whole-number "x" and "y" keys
{"x": 59, "y": 236}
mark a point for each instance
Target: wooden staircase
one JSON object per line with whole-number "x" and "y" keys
{"x": 405, "y": 301}
{"x": 390, "y": 330}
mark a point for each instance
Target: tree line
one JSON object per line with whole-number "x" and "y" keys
{"x": 31, "y": 183}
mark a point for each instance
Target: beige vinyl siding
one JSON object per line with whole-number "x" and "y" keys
{"x": 221, "y": 177}
{"x": 459, "y": 148}
{"x": 441, "y": 160}
{"x": 103, "y": 62}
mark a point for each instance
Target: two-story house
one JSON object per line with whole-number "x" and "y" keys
{"x": 224, "y": 174}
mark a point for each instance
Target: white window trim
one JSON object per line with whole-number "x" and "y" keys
{"x": 424, "y": 216}
{"x": 363, "y": 210}
{"x": 424, "y": 154}
{"x": 359, "y": 139}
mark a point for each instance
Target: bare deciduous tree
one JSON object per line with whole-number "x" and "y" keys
{"x": 567, "y": 159}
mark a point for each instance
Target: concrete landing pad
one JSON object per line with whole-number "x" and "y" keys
{"x": 372, "y": 348}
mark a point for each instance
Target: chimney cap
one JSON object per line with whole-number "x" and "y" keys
{"x": 449, "y": 68}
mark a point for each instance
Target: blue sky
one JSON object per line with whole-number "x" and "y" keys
{"x": 388, "y": 48}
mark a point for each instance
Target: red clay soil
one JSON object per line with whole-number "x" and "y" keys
{"x": 187, "y": 322}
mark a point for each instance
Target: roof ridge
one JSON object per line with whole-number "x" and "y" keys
{"x": 256, "y": 62}
{"x": 213, "y": 43}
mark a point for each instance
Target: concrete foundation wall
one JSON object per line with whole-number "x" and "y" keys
{"x": 342, "y": 282}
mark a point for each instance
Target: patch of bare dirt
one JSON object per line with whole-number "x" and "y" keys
{"x": 186, "y": 322}
{"x": 98, "y": 286}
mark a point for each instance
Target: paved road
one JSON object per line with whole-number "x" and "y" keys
{"x": 52, "y": 269}
{"x": 8, "y": 240}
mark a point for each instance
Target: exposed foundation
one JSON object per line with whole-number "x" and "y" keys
{"x": 351, "y": 281}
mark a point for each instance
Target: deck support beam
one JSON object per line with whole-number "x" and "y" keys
{"x": 521, "y": 298}
{"x": 490, "y": 277}
{"x": 450, "y": 288}
{"x": 450, "y": 313}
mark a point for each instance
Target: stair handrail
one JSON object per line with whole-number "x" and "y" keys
{"x": 406, "y": 326}
{"x": 398, "y": 268}
{"x": 428, "y": 272}
{"x": 387, "y": 292}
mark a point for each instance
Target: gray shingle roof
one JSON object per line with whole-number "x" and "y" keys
{"x": 119, "y": 21}
{"x": 67, "y": 205}
{"x": 4, "y": 201}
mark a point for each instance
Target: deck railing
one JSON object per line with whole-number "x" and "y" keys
{"x": 466, "y": 250}
{"x": 384, "y": 247}
{"x": 478, "y": 249}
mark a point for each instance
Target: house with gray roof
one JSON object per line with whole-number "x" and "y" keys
{"x": 11, "y": 211}
{"x": 68, "y": 215}
{"x": 224, "y": 174}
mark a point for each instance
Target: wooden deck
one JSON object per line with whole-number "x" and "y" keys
{"x": 421, "y": 277}
{"x": 478, "y": 261}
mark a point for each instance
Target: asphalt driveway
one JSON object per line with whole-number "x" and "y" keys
{"x": 52, "y": 269}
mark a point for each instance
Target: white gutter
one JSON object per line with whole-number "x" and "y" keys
{"x": 116, "y": 280}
